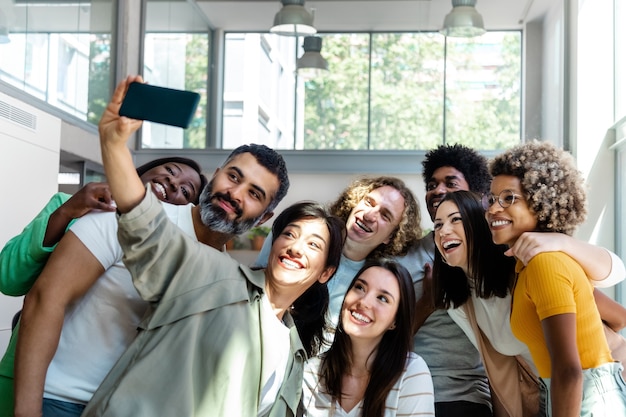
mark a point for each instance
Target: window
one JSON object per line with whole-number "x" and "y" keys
{"x": 259, "y": 79}
{"x": 60, "y": 53}
{"x": 620, "y": 60}
{"x": 383, "y": 91}
{"x": 176, "y": 55}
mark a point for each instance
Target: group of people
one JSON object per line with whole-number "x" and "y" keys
{"x": 133, "y": 309}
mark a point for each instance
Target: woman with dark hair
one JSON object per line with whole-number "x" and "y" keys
{"x": 485, "y": 272}
{"x": 369, "y": 369}
{"x": 174, "y": 180}
{"x": 472, "y": 279}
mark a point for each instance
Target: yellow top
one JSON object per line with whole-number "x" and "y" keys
{"x": 553, "y": 283}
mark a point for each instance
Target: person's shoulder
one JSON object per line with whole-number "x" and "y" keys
{"x": 97, "y": 217}
{"x": 425, "y": 246}
{"x": 96, "y": 226}
{"x": 416, "y": 364}
{"x": 174, "y": 211}
{"x": 551, "y": 259}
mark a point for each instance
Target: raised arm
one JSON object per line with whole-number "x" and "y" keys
{"x": 115, "y": 130}
{"x": 69, "y": 273}
{"x": 93, "y": 196}
{"x": 601, "y": 266}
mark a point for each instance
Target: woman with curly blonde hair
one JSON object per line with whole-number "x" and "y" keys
{"x": 536, "y": 187}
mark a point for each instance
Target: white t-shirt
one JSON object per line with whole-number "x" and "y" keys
{"x": 275, "y": 339}
{"x": 100, "y": 326}
{"x": 411, "y": 395}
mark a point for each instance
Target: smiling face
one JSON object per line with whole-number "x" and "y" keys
{"x": 370, "y": 306}
{"x": 508, "y": 224}
{"x": 173, "y": 182}
{"x": 298, "y": 257}
{"x": 376, "y": 217}
{"x": 238, "y": 196}
{"x": 444, "y": 180}
{"x": 450, "y": 235}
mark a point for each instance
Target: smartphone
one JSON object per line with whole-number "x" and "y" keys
{"x": 159, "y": 104}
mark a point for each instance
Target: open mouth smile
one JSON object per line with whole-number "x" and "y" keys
{"x": 159, "y": 188}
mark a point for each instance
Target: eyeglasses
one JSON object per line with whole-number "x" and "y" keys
{"x": 506, "y": 198}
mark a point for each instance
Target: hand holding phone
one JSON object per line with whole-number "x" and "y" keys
{"x": 159, "y": 104}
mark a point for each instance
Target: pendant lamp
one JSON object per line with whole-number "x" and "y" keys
{"x": 311, "y": 63}
{"x": 463, "y": 21}
{"x": 293, "y": 19}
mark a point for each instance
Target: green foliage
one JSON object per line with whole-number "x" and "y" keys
{"x": 259, "y": 231}
{"x": 394, "y": 98}
{"x": 99, "y": 76}
{"x": 196, "y": 76}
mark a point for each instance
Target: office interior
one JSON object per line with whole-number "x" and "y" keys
{"x": 572, "y": 92}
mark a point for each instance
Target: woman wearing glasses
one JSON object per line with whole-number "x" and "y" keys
{"x": 473, "y": 278}
{"x": 552, "y": 308}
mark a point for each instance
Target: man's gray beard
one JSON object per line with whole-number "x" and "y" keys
{"x": 216, "y": 219}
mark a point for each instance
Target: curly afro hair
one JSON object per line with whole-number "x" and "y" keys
{"x": 469, "y": 162}
{"x": 553, "y": 185}
{"x": 407, "y": 232}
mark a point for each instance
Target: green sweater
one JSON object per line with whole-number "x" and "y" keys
{"x": 21, "y": 261}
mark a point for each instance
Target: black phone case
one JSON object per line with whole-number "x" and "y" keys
{"x": 159, "y": 104}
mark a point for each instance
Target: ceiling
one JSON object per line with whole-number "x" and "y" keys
{"x": 369, "y": 15}
{"x": 258, "y": 15}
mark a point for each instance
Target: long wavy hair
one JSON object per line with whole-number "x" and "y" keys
{"x": 492, "y": 271}
{"x": 392, "y": 351}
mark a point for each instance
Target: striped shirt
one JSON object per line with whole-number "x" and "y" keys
{"x": 411, "y": 395}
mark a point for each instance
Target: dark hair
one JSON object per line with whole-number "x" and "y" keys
{"x": 176, "y": 160}
{"x": 309, "y": 310}
{"x": 392, "y": 351}
{"x": 270, "y": 160}
{"x": 492, "y": 271}
{"x": 469, "y": 162}
{"x": 408, "y": 230}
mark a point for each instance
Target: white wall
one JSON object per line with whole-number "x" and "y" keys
{"x": 578, "y": 101}
{"x": 326, "y": 188}
{"x": 592, "y": 116}
{"x": 29, "y": 164}
{"x": 582, "y": 109}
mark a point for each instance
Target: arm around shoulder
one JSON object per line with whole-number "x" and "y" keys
{"x": 24, "y": 256}
{"x": 596, "y": 261}
{"x": 617, "y": 274}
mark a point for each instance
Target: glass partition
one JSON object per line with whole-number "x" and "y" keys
{"x": 176, "y": 55}
{"x": 383, "y": 91}
{"x": 60, "y": 52}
